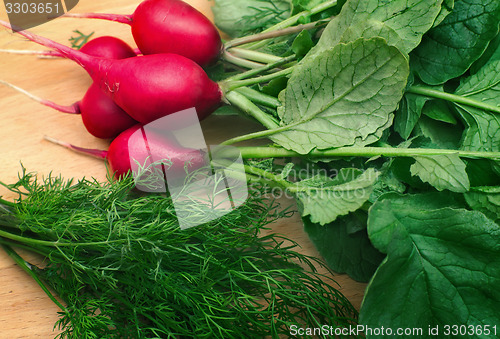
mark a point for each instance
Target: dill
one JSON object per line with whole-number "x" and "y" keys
{"x": 123, "y": 268}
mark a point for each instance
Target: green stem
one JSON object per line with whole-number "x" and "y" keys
{"x": 259, "y": 97}
{"x": 37, "y": 242}
{"x": 27, "y": 268}
{"x": 255, "y": 55}
{"x": 266, "y": 35}
{"x": 7, "y": 203}
{"x": 429, "y": 92}
{"x": 243, "y": 103}
{"x": 255, "y": 135}
{"x": 293, "y": 20}
{"x": 369, "y": 152}
{"x": 262, "y": 69}
{"x": 227, "y": 56}
{"x": 260, "y": 173}
{"x": 232, "y": 85}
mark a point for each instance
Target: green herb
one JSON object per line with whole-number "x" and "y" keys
{"x": 80, "y": 40}
{"x": 123, "y": 268}
{"x": 243, "y": 17}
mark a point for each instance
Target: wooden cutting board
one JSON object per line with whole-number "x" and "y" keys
{"x": 25, "y": 311}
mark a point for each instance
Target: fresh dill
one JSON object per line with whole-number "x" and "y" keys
{"x": 123, "y": 268}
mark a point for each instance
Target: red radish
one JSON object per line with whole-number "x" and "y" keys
{"x": 146, "y": 87}
{"x": 108, "y": 47}
{"x": 137, "y": 145}
{"x": 169, "y": 26}
{"x": 100, "y": 115}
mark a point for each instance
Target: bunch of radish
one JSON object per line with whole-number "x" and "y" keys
{"x": 130, "y": 90}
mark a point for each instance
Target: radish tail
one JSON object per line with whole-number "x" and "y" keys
{"x": 73, "y": 109}
{"x": 96, "y": 153}
{"x": 85, "y": 60}
{"x": 124, "y": 19}
{"x": 31, "y": 52}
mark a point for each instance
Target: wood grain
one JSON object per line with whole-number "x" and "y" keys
{"x": 25, "y": 311}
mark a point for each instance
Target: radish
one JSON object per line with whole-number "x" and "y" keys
{"x": 108, "y": 47}
{"x": 169, "y": 26}
{"x": 146, "y": 87}
{"x": 140, "y": 146}
{"x": 100, "y": 115}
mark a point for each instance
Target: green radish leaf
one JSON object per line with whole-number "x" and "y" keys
{"x": 482, "y": 128}
{"x": 304, "y": 5}
{"x": 401, "y": 23}
{"x": 442, "y": 172}
{"x": 343, "y": 96}
{"x": 440, "y": 111}
{"x": 345, "y": 251}
{"x": 275, "y": 86}
{"x": 491, "y": 54}
{"x": 442, "y": 135}
{"x": 446, "y": 9}
{"x": 324, "y": 199}
{"x": 302, "y": 43}
{"x": 486, "y": 200}
{"x": 482, "y": 131}
{"x": 408, "y": 114}
{"x": 483, "y": 172}
{"x": 442, "y": 262}
{"x": 239, "y": 17}
{"x": 449, "y": 49}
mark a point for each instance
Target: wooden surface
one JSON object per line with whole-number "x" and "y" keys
{"x": 25, "y": 311}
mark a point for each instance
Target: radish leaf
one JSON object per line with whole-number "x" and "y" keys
{"x": 485, "y": 200}
{"x": 343, "y": 96}
{"x": 442, "y": 262}
{"x": 325, "y": 199}
{"x": 449, "y": 49}
{"x": 442, "y": 172}
{"x": 346, "y": 251}
{"x": 401, "y": 23}
{"x": 483, "y": 128}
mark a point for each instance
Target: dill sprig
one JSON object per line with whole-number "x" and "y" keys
{"x": 124, "y": 269}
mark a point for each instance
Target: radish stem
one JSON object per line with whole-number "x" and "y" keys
{"x": 73, "y": 109}
{"x": 292, "y": 21}
{"x": 232, "y": 85}
{"x": 254, "y": 55}
{"x": 262, "y": 69}
{"x": 265, "y": 35}
{"x": 369, "y": 152}
{"x": 259, "y": 97}
{"x": 229, "y": 57}
{"x": 121, "y": 18}
{"x": 429, "y": 92}
{"x": 96, "y": 153}
{"x": 243, "y": 103}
